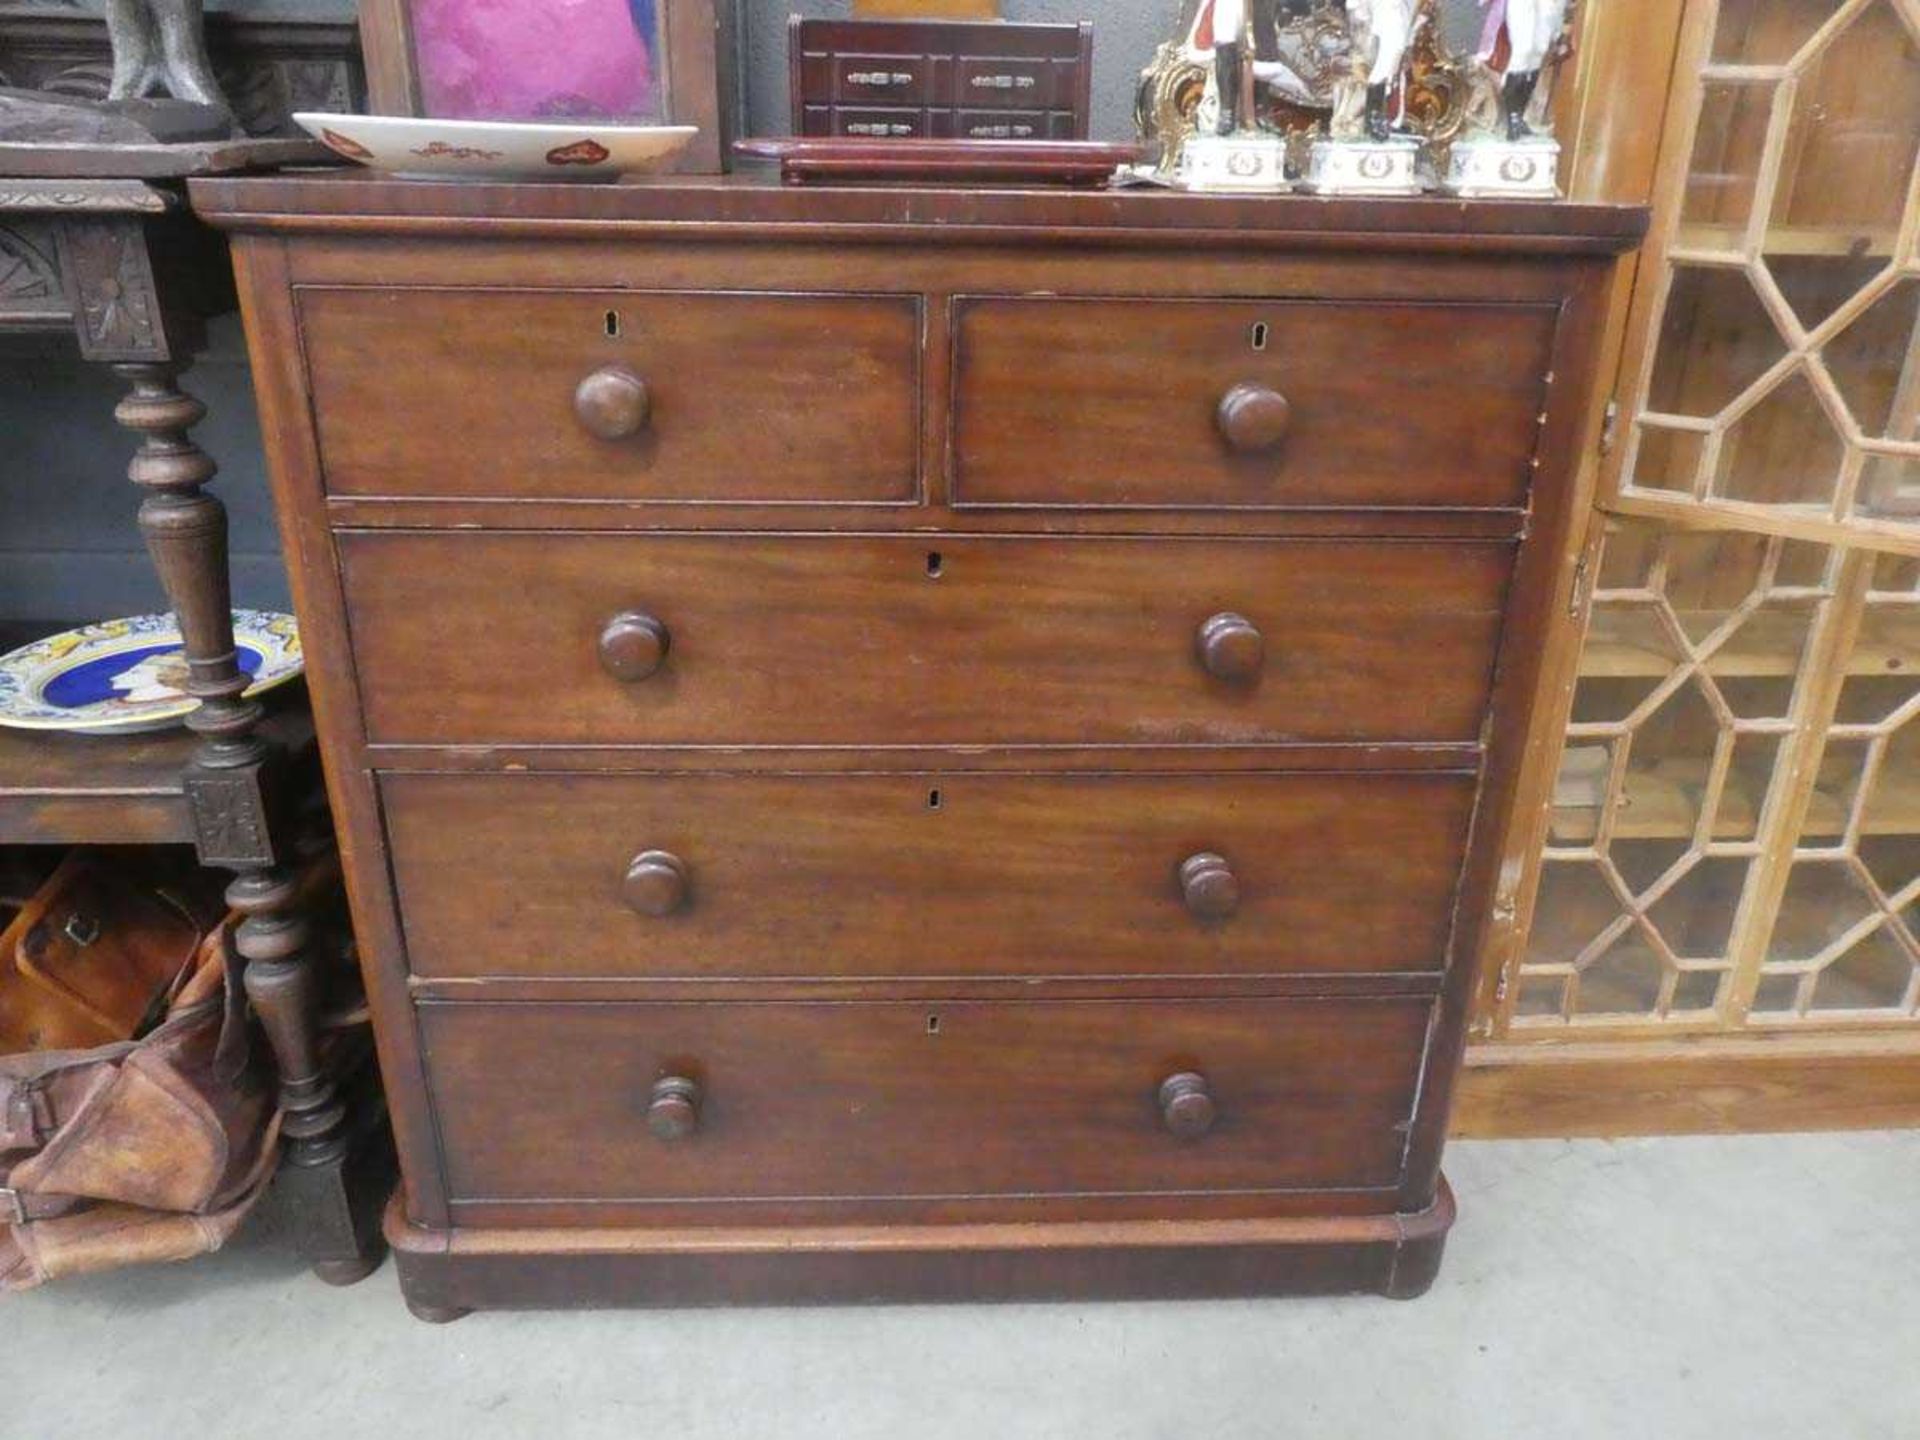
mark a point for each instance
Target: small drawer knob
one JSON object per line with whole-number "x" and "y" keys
{"x": 1208, "y": 886}
{"x": 1186, "y": 1105}
{"x": 1231, "y": 648}
{"x": 655, "y": 883}
{"x": 673, "y": 1109}
{"x": 1253, "y": 418}
{"x": 612, "y": 403}
{"x": 633, "y": 645}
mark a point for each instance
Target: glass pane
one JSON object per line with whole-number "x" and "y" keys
{"x": 1846, "y": 923}
{"x": 1625, "y": 980}
{"x": 1848, "y": 158}
{"x": 1687, "y": 679}
{"x": 1800, "y": 349}
{"x": 1728, "y": 147}
{"x": 1783, "y": 451}
{"x": 1890, "y": 486}
{"x": 1715, "y": 341}
{"x": 1766, "y": 32}
{"x": 1666, "y": 459}
{"x": 1874, "y": 974}
{"x": 1875, "y": 363}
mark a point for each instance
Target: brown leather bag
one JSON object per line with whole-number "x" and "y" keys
{"x": 97, "y": 951}
{"x": 149, "y": 1149}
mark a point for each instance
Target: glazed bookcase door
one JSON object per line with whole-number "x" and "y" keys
{"x": 1772, "y": 373}
{"x": 1731, "y": 840}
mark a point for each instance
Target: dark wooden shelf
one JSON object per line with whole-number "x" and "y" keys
{"x": 105, "y": 790}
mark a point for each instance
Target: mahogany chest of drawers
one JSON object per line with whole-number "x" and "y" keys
{"x": 940, "y": 79}
{"x": 900, "y": 743}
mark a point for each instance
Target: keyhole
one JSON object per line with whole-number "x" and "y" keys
{"x": 933, "y": 799}
{"x": 613, "y": 323}
{"x": 935, "y": 564}
{"x": 933, "y": 1024}
{"x": 1259, "y": 335}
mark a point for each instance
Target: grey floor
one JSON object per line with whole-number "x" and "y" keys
{"x": 1654, "y": 1290}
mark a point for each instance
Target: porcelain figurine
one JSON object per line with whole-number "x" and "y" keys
{"x": 1504, "y": 152}
{"x": 1232, "y": 149}
{"x": 1363, "y": 152}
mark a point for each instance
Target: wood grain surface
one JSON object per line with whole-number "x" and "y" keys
{"x": 884, "y": 1100}
{"x": 1112, "y": 402}
{"x": 947, "y": 639}
{"x": 934, "y": 874}
{"x": 421, "y": 392}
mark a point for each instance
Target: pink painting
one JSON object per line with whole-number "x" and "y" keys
{"x": 532, "y": 59}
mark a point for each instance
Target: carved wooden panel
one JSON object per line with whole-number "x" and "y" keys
{"x": 109, "y": 275}
{"x": 266, "y": 68}
{"x": 30, "y": 288}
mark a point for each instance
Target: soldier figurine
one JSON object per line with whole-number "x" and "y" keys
{"x": 1381, "y": 30}
{"x": 1228, "y": 24}
{"x": 1531, "y": 28}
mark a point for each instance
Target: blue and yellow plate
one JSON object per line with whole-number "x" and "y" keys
{"x": 123, "y": 676}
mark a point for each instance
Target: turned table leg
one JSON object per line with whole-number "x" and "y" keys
{"x": 230, "y": 784}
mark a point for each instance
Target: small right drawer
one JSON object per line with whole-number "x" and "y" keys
{"x": 1238, "y": 404}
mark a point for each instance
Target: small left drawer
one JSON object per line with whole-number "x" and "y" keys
{"x": 743, "y": 398}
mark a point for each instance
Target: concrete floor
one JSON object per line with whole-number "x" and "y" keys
{"x": 1751, "y": 1287}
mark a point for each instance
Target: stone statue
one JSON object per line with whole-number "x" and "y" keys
{"x": 160, "y": 48}
{"x": 162, "y": 88}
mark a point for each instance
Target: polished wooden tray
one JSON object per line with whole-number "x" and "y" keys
{"x": 952, "y": 162}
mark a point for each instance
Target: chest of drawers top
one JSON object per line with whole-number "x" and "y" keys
{"x": 740, "y": 353}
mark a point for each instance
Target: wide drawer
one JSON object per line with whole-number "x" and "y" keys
{"x": 1340, "y": 403}
{"x": 925, "y": 875}
{"x": 744, "y": 397}
{"x": 886, "y": 1100}
{"x": 864, "y": 640}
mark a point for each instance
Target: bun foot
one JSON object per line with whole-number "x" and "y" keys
{"x": 434, "y": 1314}
{"x": 347, "y": 1272}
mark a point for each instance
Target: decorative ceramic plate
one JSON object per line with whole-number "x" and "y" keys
{"x": 497, "y": 149}
{"x": 123, "y": 676}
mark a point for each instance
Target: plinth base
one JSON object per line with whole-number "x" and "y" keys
{"x": 1489, "y": 169}
{"x": 1244, "y": 162}
{"x": 1365, "y": 167}
{"x": 445, "y": 1273}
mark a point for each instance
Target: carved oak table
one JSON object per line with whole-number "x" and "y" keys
{"x": 122, "y": 262}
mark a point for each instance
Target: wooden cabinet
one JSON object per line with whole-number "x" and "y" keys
{"x": 994, "y": 798}
{"x": 940, "y": 79}
{"x": 1716, "y": 920}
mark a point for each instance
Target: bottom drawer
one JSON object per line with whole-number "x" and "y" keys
{"x": 891, "y": 1101}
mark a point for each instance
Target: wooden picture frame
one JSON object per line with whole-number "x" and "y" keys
{"x": 697, "y": 82}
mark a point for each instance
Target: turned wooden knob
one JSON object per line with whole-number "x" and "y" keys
{"x": 673, "y": 1110}
{"x": 1230, "y": 647}
{"x": 655, "y": 883}
{"x": 612, "y": 403}
{"x": 1208, "y": 885}
{"x": 633, "y": 645}
{"x": 1253, "y": 417}
{"x": 1186, "y": 1105}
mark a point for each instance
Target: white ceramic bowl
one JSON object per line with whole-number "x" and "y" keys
{"x": 497, "y": 149}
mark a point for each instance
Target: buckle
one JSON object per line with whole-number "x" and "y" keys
{"x": 28, "y": 1119}
{"x": 13, "y": 1210}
